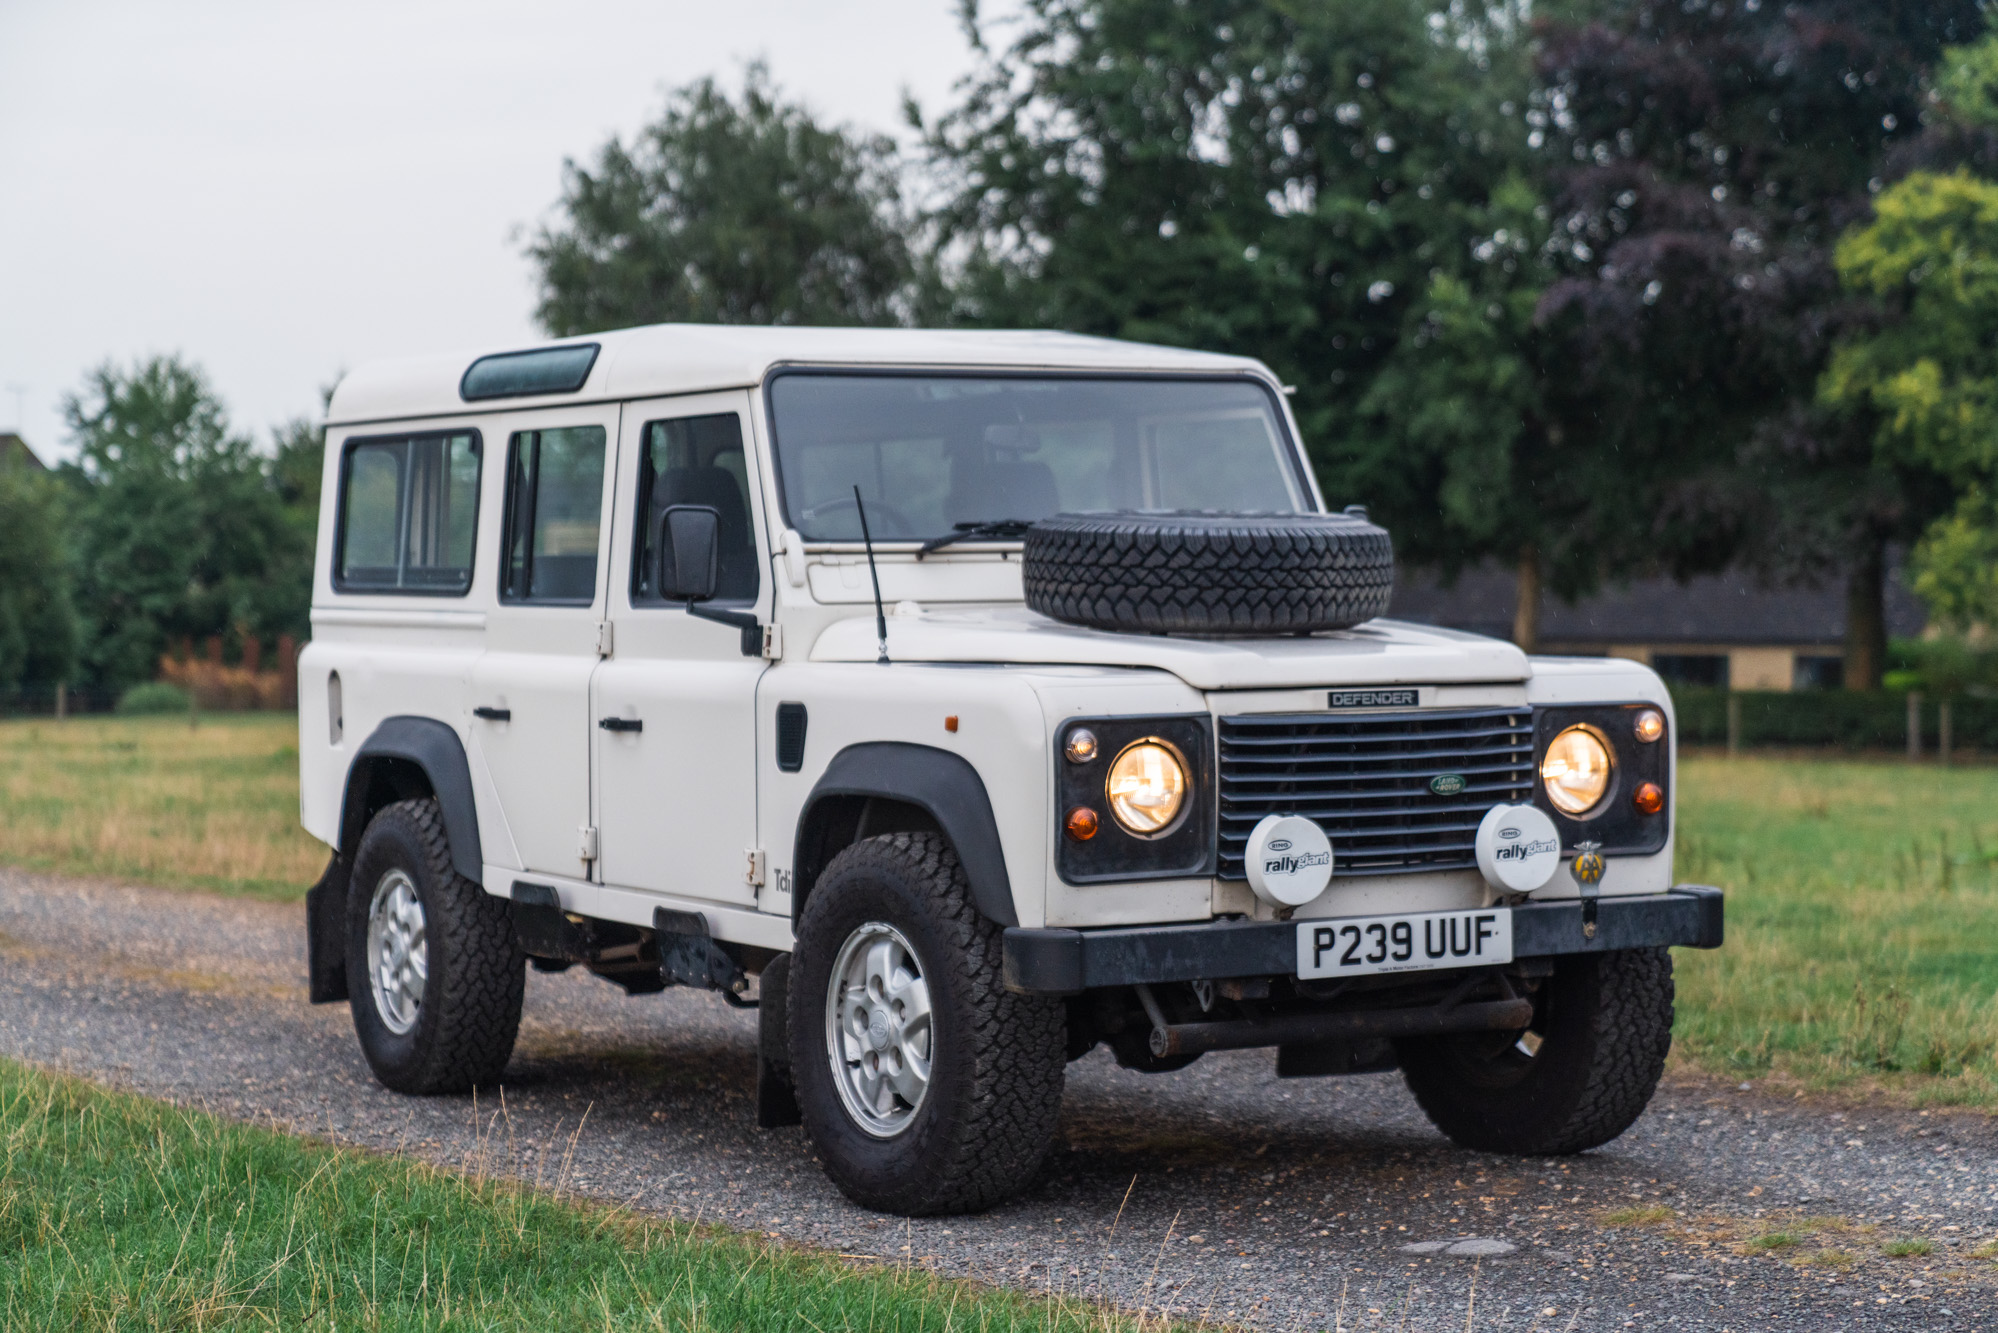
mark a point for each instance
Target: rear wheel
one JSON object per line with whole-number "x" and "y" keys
{"x": 926, "y": 1086}
{"x": 1574, "y": 1080}
{"x": 435, "y": 977}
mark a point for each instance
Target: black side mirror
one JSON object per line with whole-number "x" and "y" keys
{"x": 686, "y": 550}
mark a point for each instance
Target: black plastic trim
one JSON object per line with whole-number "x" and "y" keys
{"x": 326, "y": 933}
{"x": 793, "y": 723}
{"x": 1614, "y": 822}
{"x": 1067, "y": 962}
{"x": 943, "y": 784}
{"x": 1187, "y": 849}
{"x": 434, "y": 748}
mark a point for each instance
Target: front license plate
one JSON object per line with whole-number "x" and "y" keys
{"x": 1359, "y": 946}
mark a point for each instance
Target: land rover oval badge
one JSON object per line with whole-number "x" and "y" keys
{"x": 1518, "y": 848}
{"x": 1446, "y": 784}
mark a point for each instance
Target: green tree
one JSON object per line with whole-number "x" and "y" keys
{"x": 1711, "y": 155}
{"x": 1927, "y": 376}
{"x": 38, "y": 629}
{"x": 729, "y": 212}
{"x": 1355, "y": 193}
{"x": 177, "y": 527}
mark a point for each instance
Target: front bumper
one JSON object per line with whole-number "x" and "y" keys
{"x": 1065, "y": 962}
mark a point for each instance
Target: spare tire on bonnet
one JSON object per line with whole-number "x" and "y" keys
{"x": 1201, "y": 572}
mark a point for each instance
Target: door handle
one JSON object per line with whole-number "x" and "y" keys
{"x": 493, "y": 714}
{"x": 621, "y": 723}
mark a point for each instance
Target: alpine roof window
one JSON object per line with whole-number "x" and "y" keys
{"x": 409, "y": 509}
{"x": 528, "y": 374}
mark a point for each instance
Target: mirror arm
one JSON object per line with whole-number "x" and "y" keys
{"x": 751, "y": 627}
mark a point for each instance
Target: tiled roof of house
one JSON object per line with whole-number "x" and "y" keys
{"x": 1731, "y": 608}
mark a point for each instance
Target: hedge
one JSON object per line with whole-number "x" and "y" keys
{"x": 1849, "y": 719}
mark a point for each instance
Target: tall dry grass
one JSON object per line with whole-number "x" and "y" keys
{"x": 211, "y": 806}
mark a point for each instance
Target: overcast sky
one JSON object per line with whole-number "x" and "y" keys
{"x": 281, "y": 191}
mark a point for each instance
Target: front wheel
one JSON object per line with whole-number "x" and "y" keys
{"x": 926, "y": 1086}
{"x": 435, "y": 979}
{"x": 1574, "y": 1080}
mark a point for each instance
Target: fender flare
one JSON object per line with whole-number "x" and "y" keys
{"x": 434, "y": 748}
{"x": 942, "y": 784}
{"x": 396, "y": 746}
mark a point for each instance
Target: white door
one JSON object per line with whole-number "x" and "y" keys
{"x": 676, "y": 766}
{"x": 531, "y": 723}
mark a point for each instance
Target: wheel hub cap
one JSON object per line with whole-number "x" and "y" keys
{"x": 398, "y": 957}
{"x": 879, "y": 1029}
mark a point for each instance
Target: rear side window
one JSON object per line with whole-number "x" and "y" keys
{"x": 696, "y": 461}
{"x": 555, "y": 499}
{"x": 409, "y": 508}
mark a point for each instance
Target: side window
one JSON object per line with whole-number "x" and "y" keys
{"x": 697, "y": 461}
{"x": 554, "y": 510}
{"x": 408, "y": 510}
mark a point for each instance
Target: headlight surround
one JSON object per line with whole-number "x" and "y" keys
{"x": 1147, "y": 787}
{"x": 1576, "y": 770}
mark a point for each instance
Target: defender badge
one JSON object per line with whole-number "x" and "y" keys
{"x": 1446, "y": 784}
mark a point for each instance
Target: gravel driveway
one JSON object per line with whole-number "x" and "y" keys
{"x": 1217, "y": 1190}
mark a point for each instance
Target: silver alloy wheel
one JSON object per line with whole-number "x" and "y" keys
{"x": 880, "y": 1033}
{"x": 398, "y": 957}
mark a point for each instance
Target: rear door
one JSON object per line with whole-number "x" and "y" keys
{"x": 676, "y": 701}
{"x": 531, "y": 723}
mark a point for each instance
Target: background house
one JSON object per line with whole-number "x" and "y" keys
{"x": 1724, "y": 630}
{"x": 14, "y": 451}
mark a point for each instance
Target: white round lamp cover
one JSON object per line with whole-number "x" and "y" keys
{"x": 1289, "y": 860}
{"x": 1518, "y": 848}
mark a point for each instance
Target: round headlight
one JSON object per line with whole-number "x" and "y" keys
{"x": 1576, "y": 771}
{"x": 1147, "y": 787}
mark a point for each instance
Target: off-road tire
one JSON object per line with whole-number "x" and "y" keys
{"x": 984, "y": 1126}
{"x": 1204, "y": 573}
{"x": 470, "y": 1011}
{"x": 1605, "y": 1025}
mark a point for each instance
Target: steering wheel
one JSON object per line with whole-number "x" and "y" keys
{"x": 895, "y": 526}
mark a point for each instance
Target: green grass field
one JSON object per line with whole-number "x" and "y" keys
{"x": 121, "y": 1213}
{"x": 214, "y": 806}
{"x": 1862, "y": 894}
{"x": 1862, "y": 934}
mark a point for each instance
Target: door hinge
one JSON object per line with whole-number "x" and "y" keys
{"x": 773, "y": 641}
{"x": 586, "y": 843}
{"x": 606, "y": 637}
{"x": 753, "y": 874}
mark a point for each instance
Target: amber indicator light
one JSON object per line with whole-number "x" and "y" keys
{"x": 1649, "y": 798}
{"x": 950, "y": 722}
{"x": 1082, "y": 823}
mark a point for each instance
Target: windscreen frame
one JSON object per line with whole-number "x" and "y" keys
{"x": 1298, "y": 469}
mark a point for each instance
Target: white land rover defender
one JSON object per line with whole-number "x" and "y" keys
{"x": 983, "y": 696}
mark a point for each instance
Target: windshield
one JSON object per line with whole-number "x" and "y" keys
{"x": 932, "y": 454}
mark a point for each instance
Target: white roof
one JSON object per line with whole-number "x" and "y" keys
{"x": 691, "y": 358}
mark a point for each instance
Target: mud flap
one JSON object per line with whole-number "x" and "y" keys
{"x": 326, "y": 933}
{"x": 776, "y": 1099}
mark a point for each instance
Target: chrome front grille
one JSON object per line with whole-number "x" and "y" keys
{"x": 1366, "y": 780}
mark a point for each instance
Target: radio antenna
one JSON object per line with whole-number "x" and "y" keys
{"x": 880, "y": 616}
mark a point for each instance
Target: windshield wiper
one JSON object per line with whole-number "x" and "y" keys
{"x": 964, "y": 532}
